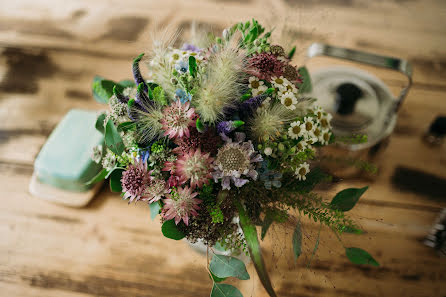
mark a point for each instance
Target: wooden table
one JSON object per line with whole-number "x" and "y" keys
{"x": 50, "y": 52}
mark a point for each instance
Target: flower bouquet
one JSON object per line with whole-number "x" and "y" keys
{"x": 219, "y": 140}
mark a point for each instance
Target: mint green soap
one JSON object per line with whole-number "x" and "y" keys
{"x": 65, "y": 160}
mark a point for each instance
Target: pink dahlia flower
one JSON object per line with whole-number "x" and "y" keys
{"x": 195, "y": 167}
{"x": 135, "y": 180}
{"x": 180, "y": 204}
{"x": 177, "y": 118}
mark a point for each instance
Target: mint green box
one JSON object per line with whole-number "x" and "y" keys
{"x": 65, "y": 160}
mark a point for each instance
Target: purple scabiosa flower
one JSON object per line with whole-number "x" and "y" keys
{"x": 265, "y": 65}
{"x": 235, "y": 162}
{"x": 180, "y": 204}
{"x": 135, "y": 180}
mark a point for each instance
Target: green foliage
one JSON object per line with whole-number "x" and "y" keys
{"x": 305, "y": 86}
{"x": 316, "y": 246}
{"x": 292, "y": 52}
{"x": 199, "y": 125}
{"x": 359, "y": 256}
{"x": 115, "y": 180}
{"x": 154, "y": 209}
{"x": 246, "y": 96}
{"x": 252, "y": 241}
{"x": 225, "y": 290}
{"x": 170, "y": 230}
{"x": 159, "y": 96}
{"x": 216, "y": 278}
{"x": 272, "y": 215}
{"x": 126, "y": 126}
{"x": 193, "y": 66}
{"x": 112, "y": 138}
{"x": 98, "y": 177}
{"x": 252, "y": 39}
{"x": 346, "y": 199}
{"x": 226, "y": 266}
{"x": 207, "y": 195}
{"x": 100, "y": 122}
{"x": 297, "y": 241}
{"x": 102, "y": 89}
{"x": 127, "y": 83}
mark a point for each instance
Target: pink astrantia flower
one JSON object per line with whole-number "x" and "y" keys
{"x": 135, "y": 180}
{"x": 177, "y": 118}
{"x": 195, "y": 167}
{"x": 156, "y": 190}
{"x": 181, "y": 203}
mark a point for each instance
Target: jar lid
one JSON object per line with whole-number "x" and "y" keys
{"x": 359, "y": 102}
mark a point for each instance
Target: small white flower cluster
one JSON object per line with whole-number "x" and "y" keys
{"x": 179, "y": 59}
{"x": 312, "y": 129}
{"x": 286, "y": 91}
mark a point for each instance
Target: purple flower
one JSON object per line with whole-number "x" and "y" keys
{"x": 190, "y": 47}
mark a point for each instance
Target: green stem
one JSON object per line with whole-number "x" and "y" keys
{"x": 250, "y": 232}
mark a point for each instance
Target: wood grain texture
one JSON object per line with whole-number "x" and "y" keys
{"x": 49, "y": 55}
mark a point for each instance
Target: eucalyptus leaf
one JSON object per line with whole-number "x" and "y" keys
{"x": 100, "y": 123}
{"x": 216, "y": 278}
{"x": 154, "y": 209}
{"x": 170, "y": 230}
{"x": 267, "y": 221}
{"x": 115, "y": 180}
{"x": 297, "y": 241}
{"x": 346, "y": 199}
{"x": 102, "y": 90}
{"x": 98, "y": 177}
{"x": 127, "y": 83}
{"x": 306, "y": 86}
{"x": 112, "y": 138}
{"x": 225, "y": 290}
{"x": 226, "y": 266}
{"x": 359, "y": 256}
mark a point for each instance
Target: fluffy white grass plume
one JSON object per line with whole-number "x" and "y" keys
{"x": 221, "y": 82}
{"x": 268, "y": 122}
{"x": 148, "y": 122}
{"x": 159, "y": 65}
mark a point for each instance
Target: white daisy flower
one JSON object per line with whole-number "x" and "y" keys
{"x": 325, "y": 121}
{"x": 295, "y": 130}
{"x": 325, "y": 138}
{"x": 302, "y": 145}
{"x": 289, "y": 100}
{"x": 318, "y": 111}
{"x": 302, "y": 170}
{"x": 257, "y": 86}
{"x": 318, "y": 133}
{"x": 259, "y": 91}
{"x": 175, "y": 56}
{"x": 309, "y": 126}
{"x": 278, "y": 82}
